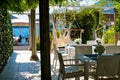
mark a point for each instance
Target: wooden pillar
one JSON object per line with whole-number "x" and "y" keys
{"x": 33, "y": 36}
{"x": 116, "y": 33}
{"x": 30, "y": 30}
{"x": 44, "y": 40}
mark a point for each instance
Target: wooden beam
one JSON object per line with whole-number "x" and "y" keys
{"x": 45, "y": 40}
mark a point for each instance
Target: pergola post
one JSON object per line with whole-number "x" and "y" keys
{"x": 30, "y": 30}
{"x": 33, "y": 36}
{"x": 116, "y": 33}
{"x": 44, "y": 40}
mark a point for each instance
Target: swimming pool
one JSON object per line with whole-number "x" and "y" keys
{"x": 24, "y": 32}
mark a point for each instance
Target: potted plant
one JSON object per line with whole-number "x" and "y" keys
{"x": 99, "y": 48}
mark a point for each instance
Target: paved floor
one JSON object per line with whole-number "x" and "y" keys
{"x": 20, "y": 67}
{"x": 18, "y": 48}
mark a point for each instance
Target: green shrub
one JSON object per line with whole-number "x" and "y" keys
{"x": 6, "y": 38}
{"x": 109, "y": 36}
{"x": 38, "y": 44}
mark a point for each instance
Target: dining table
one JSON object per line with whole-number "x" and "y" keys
{"x": 88, "y": 59}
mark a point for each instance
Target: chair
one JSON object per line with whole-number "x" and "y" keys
{"x": 55, "y": 58}
{"x": 69, "y": 70}
{"x": 108, "y": 67}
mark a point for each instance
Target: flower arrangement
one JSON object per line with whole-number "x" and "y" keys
{"x": 78, "y": 41}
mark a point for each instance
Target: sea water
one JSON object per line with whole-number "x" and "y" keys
{"x": 24, "y": 31}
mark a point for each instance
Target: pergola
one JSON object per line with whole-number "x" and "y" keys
{"x": 45, "y": 41}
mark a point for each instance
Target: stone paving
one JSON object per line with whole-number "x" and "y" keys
{"x": 20, "y": 67}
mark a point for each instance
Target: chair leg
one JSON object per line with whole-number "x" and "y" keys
{"x": 55, "y": 64}
{"x": 96, "y": 78}
{"x": 58, "y": 77}
{"x": 77, "y": 78}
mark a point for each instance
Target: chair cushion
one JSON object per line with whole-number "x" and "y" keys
{"x": 73, "y": 72}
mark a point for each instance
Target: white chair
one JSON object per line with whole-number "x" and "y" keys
{"x": 69, "y": 70}
{"x": 108, "y": 67}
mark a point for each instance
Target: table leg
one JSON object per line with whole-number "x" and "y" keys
{"x": 86, "y": 71}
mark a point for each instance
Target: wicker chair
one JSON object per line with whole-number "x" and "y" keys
{"x": 108, "y": 67}
{"x": 69, "y": 70}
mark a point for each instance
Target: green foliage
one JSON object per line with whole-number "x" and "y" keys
{"x": 38, "y": 44}
{"x": 86, "y": 22}
{"x": 38, "y": 41}
{"x": 51, "y": 36}
{"x": 70, "y": 15}
{"x": 86, "y": 19}
{"x": 117, "y": 27}
{"x": 58, "y": 2}
{"x": 95, "y": 14}
{"x": 6, "y": 38}
{"x": 116, "y": 1}
{"x": 109, "y": 36}
{"x": 19, "y": 5}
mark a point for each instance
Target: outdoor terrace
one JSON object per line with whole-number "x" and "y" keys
{"x": 19, "y": 67}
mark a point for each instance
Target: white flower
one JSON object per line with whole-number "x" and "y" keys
{"x": 98, "y": 40}
{"x": 78, "y": 41}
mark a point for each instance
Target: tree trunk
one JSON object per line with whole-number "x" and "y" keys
{"x": 33, "y": 36}
{"x": 44, "y": 40}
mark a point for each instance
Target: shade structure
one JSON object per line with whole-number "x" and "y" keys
{"x": 22, "y": 22}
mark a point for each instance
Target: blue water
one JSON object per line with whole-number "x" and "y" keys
{"x": 24, "y": 32}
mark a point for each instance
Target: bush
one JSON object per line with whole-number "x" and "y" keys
{"x": 6, "y": 38}
{"x": 38, "y": 44}
{"x": 109, "y": 36}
